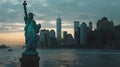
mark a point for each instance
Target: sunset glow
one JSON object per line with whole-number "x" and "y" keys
{"x": 16, "y": 38}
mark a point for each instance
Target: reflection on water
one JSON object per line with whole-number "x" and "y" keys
{"x": 79, "y": 58}
{"x": 65, "y": 58}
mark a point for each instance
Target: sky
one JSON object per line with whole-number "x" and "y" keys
{"x": 46, "y": 12}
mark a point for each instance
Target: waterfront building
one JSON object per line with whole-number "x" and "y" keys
{"x": 83, "y": 34}
{"x": 69, "y": 40}
{"x": 64, "y": 34}
{"x": 90, "y": 26}
{"x": 76, "y": 32}
{"x": 58, "y": 30}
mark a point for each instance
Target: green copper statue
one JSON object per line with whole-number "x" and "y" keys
{"x": 31, "y": 30}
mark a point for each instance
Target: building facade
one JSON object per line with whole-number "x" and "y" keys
{"x": 83, "y": 34}
{"x": 58, "y": 30}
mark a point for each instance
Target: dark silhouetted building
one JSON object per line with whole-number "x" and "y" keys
{"x": 52, "y": 39}
{"x": 44, "y": 38}
{"x": 64, "y": 34}
{"x": 105, "y": 33}
{"x": 69, "y": 40}
{"x": 83, "y": 34}
{"x": 90, "y": 26}
{"x": 76, "y": 32}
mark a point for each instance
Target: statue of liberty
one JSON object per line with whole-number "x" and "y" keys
{"x": 31, "y": 30}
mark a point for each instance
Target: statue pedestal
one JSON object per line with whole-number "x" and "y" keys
{"x": 29, "y": 61}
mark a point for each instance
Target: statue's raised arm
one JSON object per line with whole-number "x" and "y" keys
{"x": 25, "y": 8}
{"x": 31, "y": 30}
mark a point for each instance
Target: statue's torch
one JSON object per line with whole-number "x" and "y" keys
{"x": 25, "y": 9}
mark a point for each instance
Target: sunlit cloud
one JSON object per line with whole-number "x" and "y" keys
{"x": 11, "y": 27}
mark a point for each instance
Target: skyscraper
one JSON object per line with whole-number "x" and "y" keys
{"x": 90, "y": 26}
{"x": 42, "y": 38}
{"x": 52, "y": 39}
{"x": 58, "y": 29}
{"x": 52, "y": 34}
{"x": 64, "y": 34}
{"x": 76, "y": 25}
{"x": 69, "y": 40}
{"x": 105, "y": 30}
{"x": 83, "y": 34}
{"x": 76, "y": 32}
{"x": 105, "y": 25}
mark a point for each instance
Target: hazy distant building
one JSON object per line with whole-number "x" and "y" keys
{"x": 52, "y": 34}
{"x": 76, "y": 32}
{"x": 69, "y": 40}
{"x": 47, "y": 37}
{"x": 76, "y": 24}
{"x": 64, "y": 34}
{"x": 83, "y": 34}
{"x": 38, "y": 41}
{"x": 104, "y": 25}
{"x": 52, "y": 40}
{"x": 58, "y": 29}
{"x": 42, "y": 37}
{"x": 117, "y": 32}
{"x": 90, "y": 26}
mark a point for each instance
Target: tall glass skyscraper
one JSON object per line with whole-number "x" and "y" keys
{"x": 83, "y": 33}
{"x": 76, "y": 32}
{"x": 58, "y": 29}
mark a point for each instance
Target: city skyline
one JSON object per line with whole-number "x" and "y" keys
{"x": 11, "y": 40}
{"x": 105, "y": 36}
{"x": 46, "y": 12}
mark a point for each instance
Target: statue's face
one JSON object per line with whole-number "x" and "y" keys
{"x": 30, "y": 15}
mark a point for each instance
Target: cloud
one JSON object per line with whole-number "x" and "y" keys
{"x": 11, "y": 27}
{"x": 48, "y": 24}
{"x": 10, "y": 12}
{"x": 46, "y": 11}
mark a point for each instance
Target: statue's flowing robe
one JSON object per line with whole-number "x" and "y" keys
{"x": 30, "y": 34}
